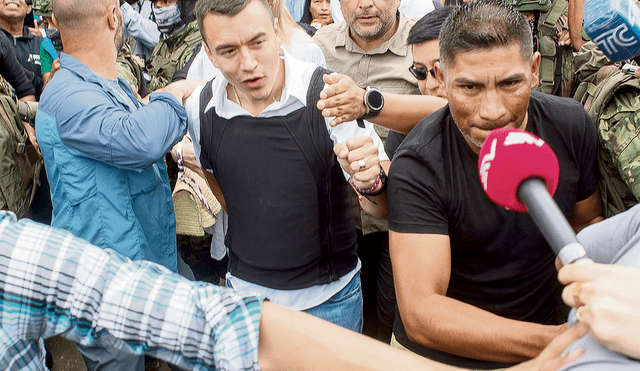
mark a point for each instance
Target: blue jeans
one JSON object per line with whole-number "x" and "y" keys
{"x": 344, "y": 308}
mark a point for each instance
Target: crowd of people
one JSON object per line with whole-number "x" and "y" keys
{"x": 249, "y": 184}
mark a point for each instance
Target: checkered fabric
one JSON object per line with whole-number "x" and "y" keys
{"x": 52, "y": 283}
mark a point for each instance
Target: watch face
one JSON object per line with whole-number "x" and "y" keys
{"x": 375, "y": 100}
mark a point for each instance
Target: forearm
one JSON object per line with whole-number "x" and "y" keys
{"x": 82, "y": 292}
{"x": 402, "y": 112}
{"x": 116, "y": 136}
{"x": 455, "y": 327}
{"x": 147, "y": 134}
{"x": 575, "y": 16}
{"x": 28, "y": 98}
{"x": 292, "y": 340}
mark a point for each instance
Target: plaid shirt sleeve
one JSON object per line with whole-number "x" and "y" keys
{"x": 52, "y": 283}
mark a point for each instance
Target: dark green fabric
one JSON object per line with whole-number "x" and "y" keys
{"x": 19, "y": 163}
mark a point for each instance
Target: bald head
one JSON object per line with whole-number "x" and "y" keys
{"x": 81, "y": 15}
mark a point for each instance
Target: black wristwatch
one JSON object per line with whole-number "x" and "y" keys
{"x": 374, "y": 101}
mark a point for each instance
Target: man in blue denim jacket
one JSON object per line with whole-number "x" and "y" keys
{"x": 103, "y": 149}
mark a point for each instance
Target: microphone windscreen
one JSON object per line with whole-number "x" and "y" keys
{"x": 509, "y": 156}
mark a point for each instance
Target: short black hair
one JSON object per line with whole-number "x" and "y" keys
{"x": 226, "y": 7}
{"x": 428, "y": 27}
{"x": 484, "y": 24}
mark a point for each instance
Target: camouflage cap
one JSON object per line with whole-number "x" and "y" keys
{"x": 42, "y": 8}
{"x": 530, "y": 5}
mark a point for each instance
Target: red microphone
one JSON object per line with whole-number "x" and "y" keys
{"x": 519, "y": 172}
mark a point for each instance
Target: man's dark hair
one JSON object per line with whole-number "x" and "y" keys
{"x": 428, "y": 27}
{"x": 226, "y": 7}
{"x": 484, "y": 24}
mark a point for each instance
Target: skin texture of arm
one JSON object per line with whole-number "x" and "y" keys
{"x": 47, "y": 76}
{"x": 344, "y": 101}
{"x": 576, "y": 15}
{"x": 286, "y": 337}
{"x": 422, "y": 268}
{"x": 587, "y": 212}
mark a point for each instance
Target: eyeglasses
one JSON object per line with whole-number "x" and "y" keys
{"x": 421, "y": 73}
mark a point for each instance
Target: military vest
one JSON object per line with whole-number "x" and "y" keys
{"x": 21, "y": 164}
{"x": 547, "y": 46}
{"x": 612, "y": 100}
{"x": 171, "y": 54}
{"x": 126, "y": 65}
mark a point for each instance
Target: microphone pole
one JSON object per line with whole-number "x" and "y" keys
{"x": 550, "y": 221}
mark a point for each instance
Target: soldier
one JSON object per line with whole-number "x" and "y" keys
{"x": 180, "y": 34}
{"x": 609, "y": 92}
{"x": 128, "y": 66}
{"x": 548, "y": 22}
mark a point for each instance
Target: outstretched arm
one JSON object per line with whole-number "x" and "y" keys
{"x": 343, "y": 99}
{"x": 144, "y": 308}
{"x": 422, "y": 268}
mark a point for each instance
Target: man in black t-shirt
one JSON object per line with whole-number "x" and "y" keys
{"x": 476, "y": 284}
{"x": 27, "y": 46}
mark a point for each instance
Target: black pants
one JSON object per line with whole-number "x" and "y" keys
{"x": 379, "y": 297}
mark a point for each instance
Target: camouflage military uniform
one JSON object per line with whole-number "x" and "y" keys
{"x": 171, "y": 54}
{"x": 619, "y": 146}
{"x": 552, "y": 20}
{"x": 611, "y": 98}
{"x": 127, "y": 66}
{"x": 42, "y": 8}
{"x": 21, "y": 164}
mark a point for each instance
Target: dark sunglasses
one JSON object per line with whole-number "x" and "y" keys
{"x": 421, "y": 73}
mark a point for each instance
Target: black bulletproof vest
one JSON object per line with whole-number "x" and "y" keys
{"x": 290, "y": 219}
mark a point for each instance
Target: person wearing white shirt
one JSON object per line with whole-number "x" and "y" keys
{"x": 278, "y": 167}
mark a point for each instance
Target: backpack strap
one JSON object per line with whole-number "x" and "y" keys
{"x": 205, "y": 97}
{"x": 592, "y": 90}
{"x": 548, "y": 53}
{"x": 609, "y": 79}
{"x": 605, "y": 91}
{"x": 9, "y": 106}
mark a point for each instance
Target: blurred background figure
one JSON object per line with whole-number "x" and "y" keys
{"x": 139, "y": 24}
{"x": 27, "y": 45}
{"x": 317, "y": 13}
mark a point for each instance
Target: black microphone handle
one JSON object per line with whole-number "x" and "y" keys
{"x": 550, "y": 220}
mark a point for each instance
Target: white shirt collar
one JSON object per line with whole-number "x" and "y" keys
{"x": 295, "y": 89}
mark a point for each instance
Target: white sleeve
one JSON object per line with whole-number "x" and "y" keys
{"x": 192, "y": 106}
{"x": 347, "y": 130}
